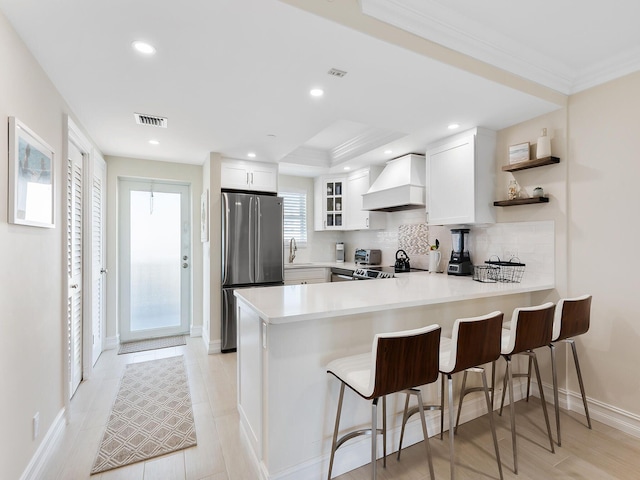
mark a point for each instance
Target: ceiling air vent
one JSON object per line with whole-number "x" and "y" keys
{"x": 151, "y": 120}
{"x": 334, "y": 72}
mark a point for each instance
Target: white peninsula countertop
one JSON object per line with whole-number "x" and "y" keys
{"x": 288, "y": 334}
{"x": 294, "y": 303}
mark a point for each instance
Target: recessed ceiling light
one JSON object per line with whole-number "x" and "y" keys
{"x": 453, "y": 126}
{"x": 316, "y": 92}
{"x": 154, "y": 142}
{"x": 251, "y": 155}
{"x": 143, "y": 47}
{"x": 387, "y": 152}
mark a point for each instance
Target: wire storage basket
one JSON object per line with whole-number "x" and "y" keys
{"x": 485, "y": 273}
{"x": 508, "y": 272}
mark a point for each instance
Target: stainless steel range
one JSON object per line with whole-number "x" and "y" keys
{"x": 371, "y": 273}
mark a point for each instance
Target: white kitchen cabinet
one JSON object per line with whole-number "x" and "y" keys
{"x": 254, "y": 176}
{"x": 303, "y": 276}
{"x": 358, "y": 183}
{"x": 461, "y": 178}
{"x": 329, "y": 203}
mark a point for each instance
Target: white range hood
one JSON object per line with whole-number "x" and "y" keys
{"x": 400, "y": 186}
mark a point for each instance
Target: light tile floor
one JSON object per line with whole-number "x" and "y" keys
{"x": 602, "y": 453}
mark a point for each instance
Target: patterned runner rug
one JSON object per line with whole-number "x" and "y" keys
{"x": 152, "y": 344}
{"x": 151, "y": 416}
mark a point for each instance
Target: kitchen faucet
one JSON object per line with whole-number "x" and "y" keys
{"x": 293, "y": 248}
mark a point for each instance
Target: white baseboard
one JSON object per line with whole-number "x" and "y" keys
{"x": 35, "y": 469}
{"x": 111, "y": 343}
{"x": 212, "y": 347}
{"x": 610, "y": 415}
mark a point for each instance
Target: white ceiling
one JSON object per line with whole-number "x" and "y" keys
{"x": 233, "y": 76}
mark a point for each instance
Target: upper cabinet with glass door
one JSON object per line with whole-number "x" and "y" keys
{"x": 329, "y": 203}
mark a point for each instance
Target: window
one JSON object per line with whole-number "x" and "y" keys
{"x": 295, "y": 217}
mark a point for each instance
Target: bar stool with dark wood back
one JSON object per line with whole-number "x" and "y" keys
{"x": 475, "y": 342}
{"x": 531, "y": 328}
{"x": 398, "y": 361}
{"x": 572, "y": 318}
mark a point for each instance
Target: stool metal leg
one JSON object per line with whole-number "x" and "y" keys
{"x": 554, "y": 371}
{"x": 529, "y": 378}
{"x": 335, "y": 431}
{"x": 509, "y": 377}
{"x": 426, "y": 435}
{"x": 384, "y": 432}
{"x": 577, "y": 362}
{"x": 505, "y": 382}
{"x": 405, "y": 417}
{"x": 493, "y": 383}
{"x": 544, "y": 403}
{"x": 374, "y": 436}
{"x": 463, "y": 390}
{"x": 441, "y": 405}
{"x": 491, "y": 422}
{"x": 451, "y": 448}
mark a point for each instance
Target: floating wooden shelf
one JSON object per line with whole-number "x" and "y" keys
{"x": 521, "y": 201}
{"x": 539, "y": 162}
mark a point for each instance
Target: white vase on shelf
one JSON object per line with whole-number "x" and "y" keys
{"x": 544, "y": 145}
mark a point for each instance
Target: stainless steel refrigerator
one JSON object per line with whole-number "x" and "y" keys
{"x": 252, "y": 251}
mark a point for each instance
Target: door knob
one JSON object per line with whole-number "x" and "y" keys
{"x": 185, "y": 265}
{"x": 185, "y": 257}
{"x": 103, "y": 270}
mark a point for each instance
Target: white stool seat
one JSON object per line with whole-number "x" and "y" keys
{"x": 505, "y": 340}
{"x": 446, "y": 345}
{"x": 355, "y": 371}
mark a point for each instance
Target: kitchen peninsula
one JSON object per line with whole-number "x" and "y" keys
{"x": 287, "y": 335}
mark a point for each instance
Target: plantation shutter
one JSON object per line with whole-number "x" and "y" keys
{"x": 295, "y": 217}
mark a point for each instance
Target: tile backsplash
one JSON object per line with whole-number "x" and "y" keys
{"x": 533, "y": 243}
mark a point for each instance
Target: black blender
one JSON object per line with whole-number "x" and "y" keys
{"x": 460, "y": 262}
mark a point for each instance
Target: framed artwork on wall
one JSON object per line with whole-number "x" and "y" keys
{"x": 31, "y": 178}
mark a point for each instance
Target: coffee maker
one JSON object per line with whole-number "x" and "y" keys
{"x": 460, "y": 261}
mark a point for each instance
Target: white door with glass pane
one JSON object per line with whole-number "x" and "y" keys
{"x": 155, "y": 259}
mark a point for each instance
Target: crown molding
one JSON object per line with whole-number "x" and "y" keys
{"x": 370, "y": 139}
{"x": 431, "y": 20}
{"x": 314, "y": 157}
{"x": 614, "y": 67}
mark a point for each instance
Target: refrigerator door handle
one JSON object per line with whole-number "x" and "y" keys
{"x": 225, "y": 238}
{"x": 258, "y": 245}
{"x": 252, "y": 238}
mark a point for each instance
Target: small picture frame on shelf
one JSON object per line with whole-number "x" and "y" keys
{"x": 519, "y": 153}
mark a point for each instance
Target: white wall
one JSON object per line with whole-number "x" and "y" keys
{"x": 604, "y": 170}
{"x": 32, "y": 306}
{"x": 211, "y": 256}
{"x": 120, "y": 167}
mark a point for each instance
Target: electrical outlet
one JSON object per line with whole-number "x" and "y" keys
{"x": 36, "y": 425}
{"x": 509, "y": 254}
